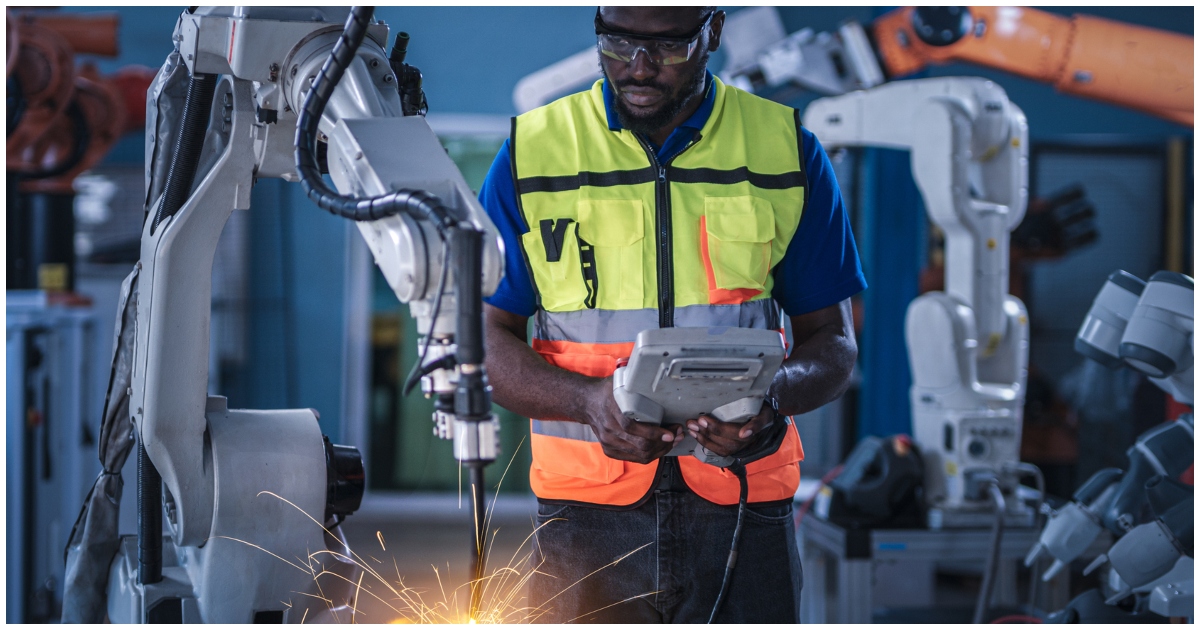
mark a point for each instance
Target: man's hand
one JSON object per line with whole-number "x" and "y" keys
{"x": 622, "y": 438}
{"x": 727, "y": 438}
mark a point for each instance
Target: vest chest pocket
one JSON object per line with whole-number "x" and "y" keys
{"x": 556, "y": 259}
{"x": 615, "y": 229}
{"x": 736, "y": 238}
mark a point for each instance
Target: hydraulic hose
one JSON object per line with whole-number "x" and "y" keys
{"x": 993, "y": 562}
{"x": 418, "y": 202}
{"x": 186, "y": 157}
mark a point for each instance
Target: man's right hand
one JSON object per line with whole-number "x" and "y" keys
{"x": 621, "y": 437}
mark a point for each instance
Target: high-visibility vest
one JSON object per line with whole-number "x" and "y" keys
{"x": 618, "y": 243}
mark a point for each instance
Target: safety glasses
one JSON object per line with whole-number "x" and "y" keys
{"x": 663, "y": 51}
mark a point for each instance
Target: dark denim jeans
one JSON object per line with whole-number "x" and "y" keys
{"x": 663, "y": 561}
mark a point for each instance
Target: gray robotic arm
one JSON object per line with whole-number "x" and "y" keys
{"x": 251, "y": 73}
{"x": 1147, "y": 326}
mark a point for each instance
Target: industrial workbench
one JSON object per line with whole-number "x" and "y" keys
{"x": 841, "y": 566}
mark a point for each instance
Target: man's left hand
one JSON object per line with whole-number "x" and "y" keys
{"x": 727, "y": 438}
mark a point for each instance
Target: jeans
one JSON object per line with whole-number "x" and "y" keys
{"x": 663, "y": 561}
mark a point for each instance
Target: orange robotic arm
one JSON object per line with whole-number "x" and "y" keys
{"x": 67, "y": 118}
{"x": 1133, "y": 66}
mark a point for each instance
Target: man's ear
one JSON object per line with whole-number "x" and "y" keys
{"x": 718, "y": 23}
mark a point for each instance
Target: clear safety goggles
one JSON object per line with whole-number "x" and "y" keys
{"x": 662, "y": 51}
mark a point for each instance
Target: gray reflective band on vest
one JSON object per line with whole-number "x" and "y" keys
{"x": 609, "y": 326}
{"x": 564, "y": 429}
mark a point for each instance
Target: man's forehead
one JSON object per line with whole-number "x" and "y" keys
{"x": 664, "y": 21}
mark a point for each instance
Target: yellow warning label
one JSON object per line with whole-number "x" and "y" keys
{"x": 53, "y": 276}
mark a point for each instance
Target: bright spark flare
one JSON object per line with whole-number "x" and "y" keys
{"x": 503, "y": 589}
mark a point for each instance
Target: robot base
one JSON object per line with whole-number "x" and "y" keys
{"x": 174, "y": 600}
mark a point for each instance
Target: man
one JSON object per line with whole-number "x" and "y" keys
{"x": 662, "y": 197}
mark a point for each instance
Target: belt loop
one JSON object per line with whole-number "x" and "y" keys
{"x": 670, "y": 477}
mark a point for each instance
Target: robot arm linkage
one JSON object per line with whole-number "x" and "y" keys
{"x": 1133, "y": 66}
{"x": 1147, "y": 326}
{"x": 1141, "y": 68}
{"x": 969, "y": 147}
{"x": 250, "y": 70}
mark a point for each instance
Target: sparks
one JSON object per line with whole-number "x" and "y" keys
{"x": 502, "y": 591}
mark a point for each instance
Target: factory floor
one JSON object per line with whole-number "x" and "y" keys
{"x": 418, "y": 547}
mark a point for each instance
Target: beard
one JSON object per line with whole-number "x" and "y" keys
{"x": 650, "y": 122}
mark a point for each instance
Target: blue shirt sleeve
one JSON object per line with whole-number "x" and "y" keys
{"x": 821, "y": 266}
{"x": 498, "y": 196}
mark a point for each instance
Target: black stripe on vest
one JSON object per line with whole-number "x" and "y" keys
{"x": 781, "y": 181}
{"x": 800, "y": 152}
{"x": 563, "y": 183}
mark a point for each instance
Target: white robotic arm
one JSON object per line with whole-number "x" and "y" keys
{"x": 968, "y": 347}
{"x": 217, "y": 463}
{"x": 969, "y": 147}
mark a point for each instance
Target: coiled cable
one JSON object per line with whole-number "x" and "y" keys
{"x": 190, "y": 142}
{"x": 420, "y": 203}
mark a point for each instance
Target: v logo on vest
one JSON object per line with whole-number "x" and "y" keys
{"x": 553, "y": 235}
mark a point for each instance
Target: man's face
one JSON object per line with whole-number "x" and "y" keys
{"x": 650, "y": 96}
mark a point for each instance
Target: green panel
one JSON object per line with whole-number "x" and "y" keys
{"x": 406, "y": 454}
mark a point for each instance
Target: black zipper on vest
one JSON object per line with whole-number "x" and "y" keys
{"x": 662, "y": 224}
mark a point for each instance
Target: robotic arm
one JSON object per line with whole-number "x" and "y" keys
{"x": 257, "y": 79}
{"x": 1149, "y": 327}
{"x": 968, "y": 346}
{"x": 1136, "y": 67}
{"x": 1132, "y": 66}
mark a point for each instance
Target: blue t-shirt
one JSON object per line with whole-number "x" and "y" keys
{"x": 819, "y": 269}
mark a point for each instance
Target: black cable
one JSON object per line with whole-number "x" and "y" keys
{"x": 993, "y": 562}
{"x": 743, "y": 494}
{"x": 186, "y": 157}
{"x": 15, "y": 102}
{"x": 149, "y": 518}
{"x": 1038, "y": 523}
{"x": 417, "y": 202}
{"x": 418, "y": 369}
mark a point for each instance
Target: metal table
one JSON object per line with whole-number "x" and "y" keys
{"x": 854, "y": 554}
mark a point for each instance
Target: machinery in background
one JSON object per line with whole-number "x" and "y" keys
{"x": 968, "y": 346}
{"x": 1149, "y": 327}
{"x": 881, "y": 483}
{"x": 1081, "y": 55}
{"x": 61, "y": 120}
{"x": 53, "y": 385}
{"x": 251, "y": 500}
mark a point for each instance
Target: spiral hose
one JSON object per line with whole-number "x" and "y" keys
{"x": 420, "y": 203}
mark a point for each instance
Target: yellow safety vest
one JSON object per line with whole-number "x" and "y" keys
{"x": 617, "y": 243}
